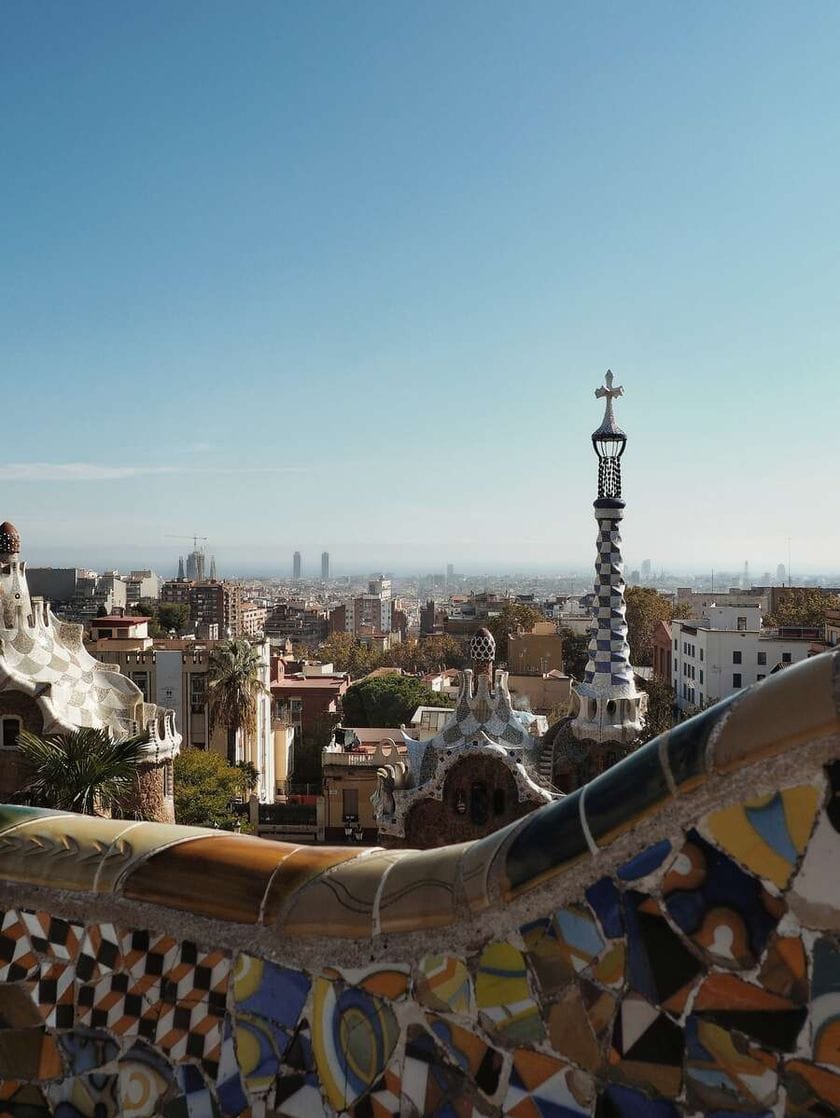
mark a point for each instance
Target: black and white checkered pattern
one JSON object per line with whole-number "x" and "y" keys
{"x": 609, "y": 652}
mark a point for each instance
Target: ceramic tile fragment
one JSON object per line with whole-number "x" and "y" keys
{"x": 769, "y": 834}
{"x": 624, "y": 1102}
{"x": 29, "y": 1053}
{"x": 579, "y": 1024}
{"x": 420, "y": 891}
{"x": 544, "y": 844}
{"x": 22, "y": 1100}
{"x": 645, "y": 862}
{"x": 60, "y": 851}
{"x": 265, "y": 989}
{"x": 810, "y": 1090}
{"x": 725, "y": 911}
{"x": 617, "y": 799}
{"x": 297, "y": 869}
{"x": 813, "y": 893}
{"x": 18, "y": 959}
{"x": 825, "y": 1002}
{"x": 85, "y": 1096}
{"x": 784, "y": 970}
{"x": 542, "y": 1085}
{"x": 503, "y": 996}
{"x": 221, "y": 876}
{"x": 429, "y": 1085}
{"x": 86, "y": 1050}
{"x": 444, "y": 984}
{"x": 660, "y": 966}
{"x": 341, "y": 902}
{"x": 647, "y": 1047}
{"x": 723, "y": 1074}
{"x": 383, "y": 1100}
{"x": 469, "y": 1052}
{"x": 353, "y": 1037}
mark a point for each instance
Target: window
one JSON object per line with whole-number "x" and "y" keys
{"x": 736, "y": 679}
{"x": 760, "y": 677}
{"x": 675, "y": 647}
{"x": 762, "y": 658}
{"x": 742, "y": 624}
{"x": 785, "y": 657}
{"x": 11, "y": 729}
{"x": 141, "y": 679}
{"x": 701, "y": 653}
{"x": 350, "y": 805}
{"x": 198, "y": 692}
{"x": 701, "y": 677}
{"x": 736, "y": 656}
{"x": 499, "y": 801}
{"x": 701, "y": 698}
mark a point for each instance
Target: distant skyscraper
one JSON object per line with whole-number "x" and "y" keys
{"x": 181, "y": 574}
{"x": 325, "y": 565}
{"x": 296, "y": 565}
{"x": 646, "y": 570}
{"x": 450, "y": 572}
{"x": 781, "y": 574}
{"x": 746, "y": 576}
{"x": 213, "y": 568}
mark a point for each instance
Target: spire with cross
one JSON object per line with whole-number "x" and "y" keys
{"x": 609, "y": 707}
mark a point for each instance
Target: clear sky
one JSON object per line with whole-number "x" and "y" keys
{"x": 345, "y": 276}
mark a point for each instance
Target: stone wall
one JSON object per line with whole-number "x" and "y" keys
{"x": 664, "y": 942}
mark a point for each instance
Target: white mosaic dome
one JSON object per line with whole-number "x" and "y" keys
{"x": 482, "y": 646}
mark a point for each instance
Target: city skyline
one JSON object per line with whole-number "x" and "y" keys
{"x": 457, "y": 219}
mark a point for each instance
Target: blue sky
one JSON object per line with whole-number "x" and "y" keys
{"x": 345, "y": 276}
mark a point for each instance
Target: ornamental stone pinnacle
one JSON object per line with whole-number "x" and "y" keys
{"x": 608, "y": 705}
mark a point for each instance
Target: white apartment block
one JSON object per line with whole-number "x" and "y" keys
{"x": 717, "y": 655}
{"x": 371, "y": 611}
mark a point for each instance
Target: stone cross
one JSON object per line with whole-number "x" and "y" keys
{"x": 610, "y": 393}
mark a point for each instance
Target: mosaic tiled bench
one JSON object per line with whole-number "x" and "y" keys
{"x": 665, "y": 942}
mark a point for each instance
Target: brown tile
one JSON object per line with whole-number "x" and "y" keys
{"x": 13, "y": 814}
{"x": 63, "y": 851}
{"x": 301, "y": 866}
{"x": 340, "y": 903}
{"x": 17, "y": 1010}
{"x": 792, "y": 707}
{"x": 420, "y": 891}
{"x": 29, "y": 1054}
{"x": 136, "y": 844}
{"x": 221, "y": 876}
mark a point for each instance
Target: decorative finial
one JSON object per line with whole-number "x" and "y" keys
{"x": 609, "y": 442}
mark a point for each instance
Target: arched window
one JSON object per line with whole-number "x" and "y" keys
{"x": 11, "y": 729}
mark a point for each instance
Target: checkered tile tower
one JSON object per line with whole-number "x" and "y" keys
{"x": 609, "y": 708}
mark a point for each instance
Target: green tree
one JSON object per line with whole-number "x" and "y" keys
{"x": 427, "y": 655}
{"x": 84, "y": 770}
{"x": 249, "y": 777}
{"x": 646, "y": 607}
{"x": 575, "y": 653}
{"x": 387, "y": 700}
{"x": 148, "y": 607}
{"x": 514, "y": 617}
{"x": 347, "y": 654}
{"x": 308, "y": 751}
{"x": 173, "y": 615}
{"x": 662, "y": 713}
{"x": 205, "y": 787}
{"x": 234, "y": 679}
{"x": 802, "y": 605}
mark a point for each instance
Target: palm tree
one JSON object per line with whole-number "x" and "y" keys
{"x": 235, "y": 681}
{"x": 82, "y": 770}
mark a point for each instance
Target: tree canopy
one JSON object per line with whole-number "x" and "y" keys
{"x": 575, "y": 653}
{"x": 205, "y": 786}
{"x": 802, "y": 605}
{"x": 387, "y": 700}
{"x": 417, "y": 656}
{"x": 513, "y": 617}
{"x": 646, "y": 607}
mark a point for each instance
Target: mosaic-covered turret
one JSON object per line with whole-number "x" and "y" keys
{"x": 476, "y": 774}
{"x": 50, "y": 684}
{"x": 608, "y": 706}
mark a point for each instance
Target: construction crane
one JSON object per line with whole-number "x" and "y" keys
{"x": 195, "y": 539}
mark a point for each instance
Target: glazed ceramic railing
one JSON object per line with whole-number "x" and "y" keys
{"x": 664, "y": 942}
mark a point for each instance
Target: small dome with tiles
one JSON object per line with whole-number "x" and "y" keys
{"x": 9, "y": 539}
{"x": 482, "y": 646}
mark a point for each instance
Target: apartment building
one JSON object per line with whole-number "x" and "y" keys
{"x": 178, "y": 670}
{"x": 715, "y": 656}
